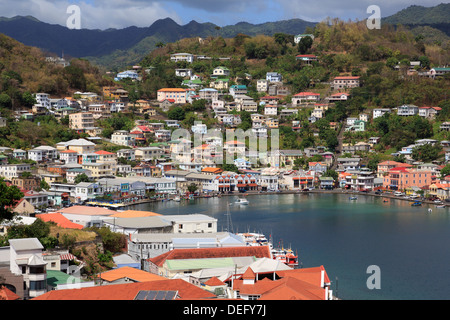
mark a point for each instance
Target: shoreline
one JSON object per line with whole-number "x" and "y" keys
{"x": 314, "y": 191}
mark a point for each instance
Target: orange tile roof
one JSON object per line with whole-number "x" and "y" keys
{"x": 294, "y": 289}
{"x": 248, "y": 274}
{"x": 60, "y": 220}
{"x": 171, "y": 90}
{"x": 212, "y": 169}
{"x": 296, "y": 284}
{"x": 310, "y": 275}
{"x": 6, "y": 294}
{"x": 214, "y": 281}
{"x": 86, "y": 210}
{"x": 203, "y": 253}
{"x": 134, "y": 214}
{"x": 130, "y": 273}
{"x": 127, "y": 291}
{"x": 301, "y": 94}
{"x": 103, "y": 152}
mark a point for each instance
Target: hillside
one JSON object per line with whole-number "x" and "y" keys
{"x": 25, "y": 69}
{"x": 421, "y": 15}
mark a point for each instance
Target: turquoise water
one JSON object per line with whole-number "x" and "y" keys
{"x": 409, "y": 245}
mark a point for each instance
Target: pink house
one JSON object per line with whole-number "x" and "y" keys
{"x": 401, "y": 178}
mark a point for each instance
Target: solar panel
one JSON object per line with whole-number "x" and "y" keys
{"x": 156, "y": 295}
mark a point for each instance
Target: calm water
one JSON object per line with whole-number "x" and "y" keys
{"x": 410, "y": 246}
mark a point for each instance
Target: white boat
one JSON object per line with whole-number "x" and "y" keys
{"x": 255, "y": 239}
{"x": 242, "y": 201}
{"x": 177, "y": 199}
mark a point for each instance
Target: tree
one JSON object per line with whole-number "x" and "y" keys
{"x": 81, "y": 178}
{"x": 426, "y": 152}
{"x": 176, "y": 113}
{"x": 445, "y": 171}
{"x": 331, "y": 173}
{"x": 192, "y": 188}
{"x": 5, "y": 101}
{"x": 9, "y": 197}
{"x": 44, "y": 185}
{"x": 304, "y": 44}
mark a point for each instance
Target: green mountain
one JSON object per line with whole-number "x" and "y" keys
{"x": 120, "y": 47}
{"x": 413, "y": 15}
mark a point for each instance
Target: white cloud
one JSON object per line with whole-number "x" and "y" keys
{"x": 97, "y": 14}
{"x": 345, "y": 9}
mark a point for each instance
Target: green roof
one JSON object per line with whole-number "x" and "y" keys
{"x": 55, "y": 277}
{"x": 194, "y": 264}
{"x": 442, "y": 69}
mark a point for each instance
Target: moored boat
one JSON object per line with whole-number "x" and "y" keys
{"x": 285, "y": 256}
{"x": 242, "y": 201}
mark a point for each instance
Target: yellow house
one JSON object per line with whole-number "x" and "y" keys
{"x": 24, "y": 207}
{"x": 99, "y": 170}
{"x": 272, "y": 123}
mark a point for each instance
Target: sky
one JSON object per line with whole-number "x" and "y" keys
{"x": 104, "y": 14}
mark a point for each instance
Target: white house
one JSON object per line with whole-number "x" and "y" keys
{"x": 305, "y": 97}
{"x": 176, "y": 57}
{"x": 407, "y": 110}
{"x": 199, "y": 128}
{"x": 183, "y": 72}
{"x": 25, "y": 259}
{"x": 221, "y": 71}
{"x": 262, "y": 85}
{"x": 379, "y": 112}
{"x": 43, "y": 99}
{"x": 127, "y": 74}
{"x": 68, "y": 156}
{"x": 274, "y": 77}
{"x": 123, "y": 138}
{"x": 270, "y": 110}
{"x": 299, "y": 37}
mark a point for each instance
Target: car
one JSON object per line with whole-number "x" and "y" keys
{"x": 398, "y": 193}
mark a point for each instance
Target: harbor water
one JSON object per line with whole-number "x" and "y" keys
{"x": 409, "y": 246}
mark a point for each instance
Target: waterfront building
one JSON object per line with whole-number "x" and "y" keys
{"x": 401, "y": 178}
{"x": 360, "y": 180}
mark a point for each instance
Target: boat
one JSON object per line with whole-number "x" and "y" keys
{"x": 352, "y": 198}
{"x": 255, "y": 239}
{"x": 177, "y": 199}
{"x": 242, "y": 201}
{"x": 285, "y": 256}
{"x": 441, "y": 206}
{"x": 416, "y": 204}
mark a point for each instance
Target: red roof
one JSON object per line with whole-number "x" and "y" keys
{"x": 128, "y": 291}
{"x": 102, "y": 152}
{"x": 302, "y": 94}
{"x": 6, "y": 294}
{"x": 346, "y": 78}
{"x": 144, "y": 128}
{"x": 204, "y": 253}
{"x": 248, "y": 274}
{"x": 60, "y": 220}
{"x": 214, "y": 281}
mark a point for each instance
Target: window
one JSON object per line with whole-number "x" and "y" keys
{"x": 37, "y": 285}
